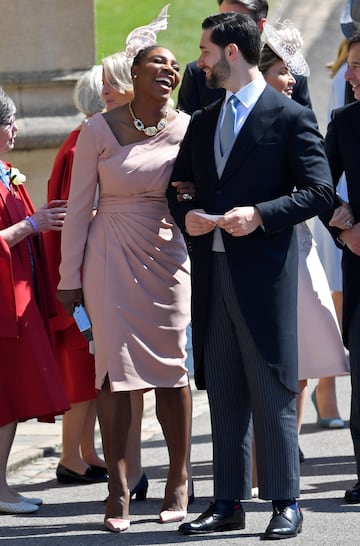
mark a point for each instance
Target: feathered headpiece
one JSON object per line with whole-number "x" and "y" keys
{"x": 145, "y": 36}
{"x": 287, "y": 43}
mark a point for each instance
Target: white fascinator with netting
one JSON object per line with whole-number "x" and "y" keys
{"x": 145, "y": 36}
{"x": 286, "y": 41}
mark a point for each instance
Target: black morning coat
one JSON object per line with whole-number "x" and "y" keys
{"x": 279, "y": 147}
{"x": 342, "y": 148}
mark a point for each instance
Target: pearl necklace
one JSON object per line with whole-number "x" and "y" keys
{"x": 152, "y": 130}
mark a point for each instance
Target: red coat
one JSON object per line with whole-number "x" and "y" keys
{"x": 77, "y": 366}
{"x": 59, "y": 188}
{"x": 30, "y": 385}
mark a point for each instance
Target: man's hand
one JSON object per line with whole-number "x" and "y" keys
{"x": 196, "y": 225}
{"x": 240, "y": 221}
{"x": 351, "y": 237}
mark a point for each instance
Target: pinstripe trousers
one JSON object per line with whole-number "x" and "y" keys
{"x": 242, "y": 387}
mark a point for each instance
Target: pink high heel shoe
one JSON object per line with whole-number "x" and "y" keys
{"x": 171, "y": 516}
{"x": 117, "y": 525}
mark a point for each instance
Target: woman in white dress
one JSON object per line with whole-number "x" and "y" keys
{"x": 324, "y": 396}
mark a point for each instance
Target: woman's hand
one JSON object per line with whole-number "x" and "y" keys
{"x": 185, "y": 191}
{"x": 351, "y": 237}
{"x": 70, "y": 298}
{"x": 343, "y": 217}
{"x": 51, "y": 216}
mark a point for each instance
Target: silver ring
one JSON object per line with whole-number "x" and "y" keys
{"x": 187, "y": 197}
{"x": 348, "y": 224}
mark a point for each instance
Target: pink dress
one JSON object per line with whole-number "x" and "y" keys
{"x": 136, "y": 274}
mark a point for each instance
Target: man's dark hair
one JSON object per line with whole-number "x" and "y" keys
{"x": 235, "y": 28}
{"x": 355, "y": 39}
{"x": 259, "y": 8}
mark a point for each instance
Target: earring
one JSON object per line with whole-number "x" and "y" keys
{"x": 134, "y": 76}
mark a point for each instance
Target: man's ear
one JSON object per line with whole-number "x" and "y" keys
{"x": 232, "y": 50}
{"x": 260, "y": 24}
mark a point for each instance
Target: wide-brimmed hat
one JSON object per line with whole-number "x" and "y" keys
{"x": 350, "y": 18}
{"x": 286, "y": 42}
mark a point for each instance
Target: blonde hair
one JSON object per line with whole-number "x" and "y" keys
{"x": 87, "y": 92}
{"x": 117, "y": 72}
{"x": 341, "y": 57}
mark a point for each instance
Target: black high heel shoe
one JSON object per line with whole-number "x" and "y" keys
{"x": 191, "y": 496}
{"x": 140, "y": 490}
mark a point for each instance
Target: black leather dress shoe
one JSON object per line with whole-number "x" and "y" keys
{"x": 301, "y": 456}
{"x": 352, "y": 496}
{"x": 92, "y": 475}
{"x": 284, "y": 523}
{"x": 213, "y": 519}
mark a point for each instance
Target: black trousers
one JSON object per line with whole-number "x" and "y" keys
{"x": 242, "y": 386}
{"x": 354, "y": 352}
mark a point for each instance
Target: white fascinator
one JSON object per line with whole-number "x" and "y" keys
{"x": 286, "y": 42}
{"x": 350, "y": 18}
{"x": 145, "y": 36}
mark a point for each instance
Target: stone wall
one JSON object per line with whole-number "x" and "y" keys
{"x": 44, "y": 46}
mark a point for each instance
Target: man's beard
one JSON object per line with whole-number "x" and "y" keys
{"x": 219, "y": 74}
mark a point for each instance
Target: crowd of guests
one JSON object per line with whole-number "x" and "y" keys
{"x": 227, "y": 182}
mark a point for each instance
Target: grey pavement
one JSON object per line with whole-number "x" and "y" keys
{"x": 75, "y": 513}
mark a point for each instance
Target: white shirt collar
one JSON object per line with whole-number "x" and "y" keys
{"x": 249, "y": 94}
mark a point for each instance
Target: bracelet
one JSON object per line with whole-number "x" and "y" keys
{"x": 32, "y": 223}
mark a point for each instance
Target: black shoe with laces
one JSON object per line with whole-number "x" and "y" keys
{"x": 285, "y": 523}
{"x": 216, "y": 518}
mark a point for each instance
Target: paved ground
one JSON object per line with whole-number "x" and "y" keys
{"x": 76, "y": 512}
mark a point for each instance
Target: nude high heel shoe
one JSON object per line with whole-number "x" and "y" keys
{"x": 117, "y": 525}
{"x": 172, "y": 515}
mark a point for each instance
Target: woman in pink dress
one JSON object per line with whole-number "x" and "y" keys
{"x": 130, "y": 267}
{"x": 118, "y": 90}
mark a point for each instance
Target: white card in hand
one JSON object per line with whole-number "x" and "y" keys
{"x": 211, "y": 217}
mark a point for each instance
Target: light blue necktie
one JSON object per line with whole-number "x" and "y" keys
{"x": 227, "y": 131}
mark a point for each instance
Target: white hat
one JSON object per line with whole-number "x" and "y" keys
{"x": 350, "y": 18}
{"x": 286, "y": 42}
{"x": 145, "y": 36}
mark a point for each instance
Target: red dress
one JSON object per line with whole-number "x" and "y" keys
{"x": 31, "y": 385}
{"x": 76, "y": 364}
